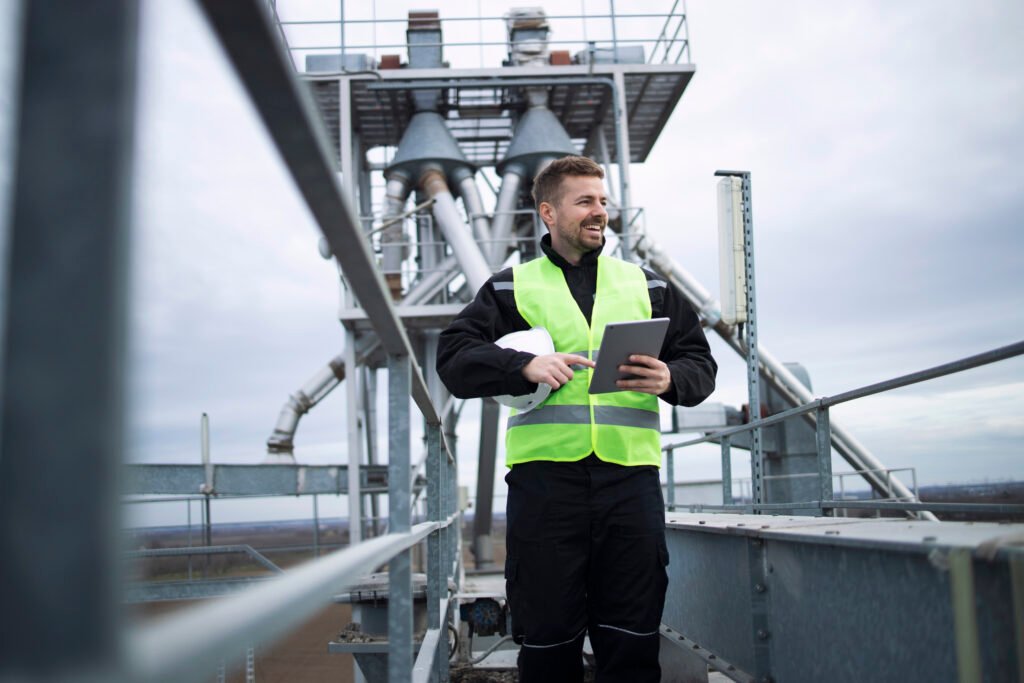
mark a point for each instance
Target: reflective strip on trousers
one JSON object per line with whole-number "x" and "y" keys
{"x": 616, "y": 416}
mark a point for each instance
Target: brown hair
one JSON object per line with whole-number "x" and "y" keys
{"x": 547, "y": 186}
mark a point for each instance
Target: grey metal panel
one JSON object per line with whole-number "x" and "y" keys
{"x": 873, "y": 594}
{"x": 708, "y": 600}
{"x": 852, "y": 601}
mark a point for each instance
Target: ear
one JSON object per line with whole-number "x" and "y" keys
{"x": 547, "y": 213}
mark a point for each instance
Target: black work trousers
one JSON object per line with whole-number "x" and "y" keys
{"x": 586, "y": 554}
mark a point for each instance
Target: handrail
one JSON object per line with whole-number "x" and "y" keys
{"x": 824, "y": 437}
{"x": 189, "y": 645}
{"x": 655, "y": 36}
{"x": 967, "y": 363}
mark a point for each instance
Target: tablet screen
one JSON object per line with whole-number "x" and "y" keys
{"x": 620, "y": 341}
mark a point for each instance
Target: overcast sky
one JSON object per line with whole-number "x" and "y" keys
{"x": 884, "y": 141}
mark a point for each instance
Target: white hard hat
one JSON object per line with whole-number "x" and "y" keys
{"x": 538, "y": 342}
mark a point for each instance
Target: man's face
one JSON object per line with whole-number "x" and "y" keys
{"x": 578, "y": 220}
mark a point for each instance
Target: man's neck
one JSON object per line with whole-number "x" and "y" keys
{"x": 573, "y": 258}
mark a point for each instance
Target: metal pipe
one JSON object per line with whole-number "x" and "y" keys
{"x": 327, "y": 378}
{"x": 613, "y": 85}
{"x": 302, "y": 401}
{"x": 474, "y": 204}
{"x": 775, "y": 373}
{"x": 427, "y": 287}
{"x": 392, "y": 238}
{"x": 504, "y": 216}
{"x": 467, "y": 251}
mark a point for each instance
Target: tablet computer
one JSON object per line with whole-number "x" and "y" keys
{"x": 620, "y": 341}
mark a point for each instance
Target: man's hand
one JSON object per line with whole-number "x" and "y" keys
{"x": 652, "y": 375}
{"x": 553, "y": 369}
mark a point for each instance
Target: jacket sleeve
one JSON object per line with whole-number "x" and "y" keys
{"x": 468, "y": 362}
{"x": 686, "y": 350}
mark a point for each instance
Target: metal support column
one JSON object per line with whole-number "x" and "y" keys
{"x": 670, "y": 479}
{"x": 64, "y": 328}
{"x": 349, "y": 181}
{"x": 483, "y": 547}
{"x": 355, "y": 515}
{"x": 622, "y": 143}
{"x": 726, "y": 471}
{"x": 437, "y": 581}
{"x": 824, "y": 436}
{"x": 399, "y": 511}
{"x": 369, "y": 389}
{"x": 753, "y": 362}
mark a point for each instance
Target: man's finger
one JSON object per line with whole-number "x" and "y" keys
{"x": 574, "y": 359}
{"x": 642, "y": 370}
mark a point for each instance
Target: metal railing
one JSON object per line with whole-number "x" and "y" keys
{"x": 653, "y": 38}
{"x": 60, "y": 624}
{"x": 817, "y": 412}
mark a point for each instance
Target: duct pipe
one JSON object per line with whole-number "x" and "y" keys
{"x": 467, "y": 251}
{"x": 430, "y": 284}
{"x": 395, "y": 194}
{"x": 474, "y": 204}
{"x": 773, "y": 371}
{"x": 300, "y": 403}
{"x": 327, "y": 379}
{"x": 504, "y": 218}
{"x": 619, "y": 116}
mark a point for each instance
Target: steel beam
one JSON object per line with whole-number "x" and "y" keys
{"x": 400, "y": 514}
{"x": 483, "y": 547}
{"x": 252, "y": 480}
{"x": 64, "y": 322}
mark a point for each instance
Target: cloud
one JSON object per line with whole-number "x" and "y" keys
{"x": 884, "y": 141}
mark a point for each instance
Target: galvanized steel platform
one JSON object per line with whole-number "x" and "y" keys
{"x": 477, "y": 104}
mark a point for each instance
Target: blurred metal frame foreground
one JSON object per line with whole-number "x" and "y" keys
{"x": 63, "y": 402}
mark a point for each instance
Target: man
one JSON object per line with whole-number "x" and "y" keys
{"x": 586, "y": 521}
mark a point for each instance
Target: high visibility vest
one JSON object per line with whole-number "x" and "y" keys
{"x": 620, "y": 427}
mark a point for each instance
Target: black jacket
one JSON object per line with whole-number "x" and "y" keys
{"x": 471, "y": 366}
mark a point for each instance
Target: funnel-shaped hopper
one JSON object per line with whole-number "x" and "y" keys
{"x": 428, "y": 141}
{"x": 539, "y": 136}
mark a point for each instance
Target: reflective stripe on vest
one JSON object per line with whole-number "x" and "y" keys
{"x": 620, "y": 427}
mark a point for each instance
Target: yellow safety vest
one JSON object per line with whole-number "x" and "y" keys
{"x": 621, "y": 427}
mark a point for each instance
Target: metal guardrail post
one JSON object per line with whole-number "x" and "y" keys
{"x": 670, "y": 476}
{"x": 64, "y": 336}
{"x": 399, "y": 511}
{"x": 437, "y": 581}
{"x": 753, "y": 361}
{"x": 726, "y": 470}
{"x": 823, "y": 434}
